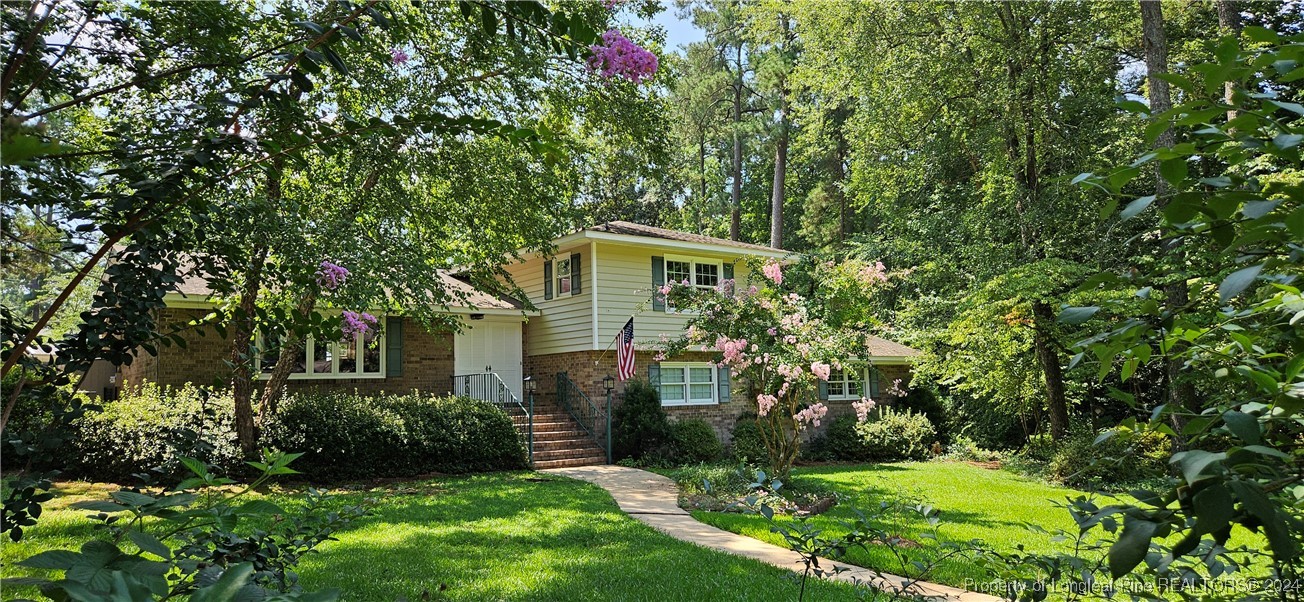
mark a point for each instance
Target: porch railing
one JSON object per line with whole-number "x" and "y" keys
{"x": 488, "y": 386}
{"x": 595, "y": 420}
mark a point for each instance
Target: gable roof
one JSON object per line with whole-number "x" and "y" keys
{"x": 633, "y": 229}
{"x": 883, "y": 348}
{"x": 194, "y": 287}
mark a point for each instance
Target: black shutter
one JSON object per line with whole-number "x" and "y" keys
{"x": 393, "y": 346}
{"x": 658, "y": 280}
{"x": 547, "y": 279}
{"x": 576, "y": 278}
{"x": 722, "y": 383}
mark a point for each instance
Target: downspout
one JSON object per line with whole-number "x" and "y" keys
{"x": 593, "y": 286}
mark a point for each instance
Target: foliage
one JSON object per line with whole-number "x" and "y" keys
{"x": 148, "y": 428}
{"x": 746, "y": 444}
{"x": 694, "y": 441}
{"x": 1086, "y": 460}
{"x": 769, "y": 338}
{"x": 1240, "y": 462}
{"x": 964, "y": 449}
{"x": 922, "y": 400}
{"x": 840, "y": 441}
{"x": 891, "y": 435}
{"x": 352, "y": 436}
{"x": 639, "y": 425}
{"x": 726, "y": 480}
{"x": 183, "y": 543}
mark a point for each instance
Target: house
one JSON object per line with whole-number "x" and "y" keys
{"x": 581, "y": 294}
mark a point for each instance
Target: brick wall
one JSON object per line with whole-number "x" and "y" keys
{"x": 427, "y": 362}
{"x": 580, "y": 366}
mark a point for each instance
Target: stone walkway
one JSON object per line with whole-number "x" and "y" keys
{"x": 654, "y": 500}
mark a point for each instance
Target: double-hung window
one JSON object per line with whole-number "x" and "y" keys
{"x": 700, "y": 273}
{"x": 561, "y": 273}
{"x": 356, "y": 357}
{"x": 688, "y": 384}
{"x": 847, "y": 382}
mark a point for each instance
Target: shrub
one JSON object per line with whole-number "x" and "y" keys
{"x": 840, "y": 442}
{"x": 151, "y": 426}
{"x": 639, "y": 425}
{"x": 346, "y": 435}
{"x": 964, "y": 449}
{"x": 725, "y": 480}
{"x": 693, "y": 441}
{"x": 747, "y": 444}
{"x": 923, "y": 400}
{"x": 1114, "y": 463}
{"x": 893, "y": 435}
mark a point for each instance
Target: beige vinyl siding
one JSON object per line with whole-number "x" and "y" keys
{"x": 625, "y": 288}
{"x": 565, "y": 322}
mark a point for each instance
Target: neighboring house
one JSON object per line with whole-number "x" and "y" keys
{"x": 584, "y": 292}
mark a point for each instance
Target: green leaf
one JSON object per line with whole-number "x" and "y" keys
{"x": 99, "y": 506}
{"x": 1213, "y": 509}
{"x": 1258, "y": 209}
{"x": 1289, "y": 106}
{"x": 1174, "y": 170}
{"x": 1193, "y": 463}
{"x": 131, "y": 498}
{"x": 1238, "y": 281}
{"x": 310, "y": 26}
{"x": 1244, "y": 426}
{"x": 1136, "y": 206}
{"x": 53, "y": 559}
{"x": 225, "y": 589}
{"x": 149, "y": 543}
{"x": 1131, "y": 547}
{"x": 1285, "y": 141}
{"x": 1295, "y": 222}
{"x": 335, "y": 61}
{"x": 1077, "y": 315}
{"x": 261, "y": 507}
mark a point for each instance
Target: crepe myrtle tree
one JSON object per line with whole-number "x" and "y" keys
{"x": 769, "y": 338}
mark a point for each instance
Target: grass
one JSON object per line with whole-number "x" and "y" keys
{"x": 993, "y": 506}
{"x": 504, "y": 536}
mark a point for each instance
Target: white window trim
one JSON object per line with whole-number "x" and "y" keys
{"x": 692, "y": 262}
{"x": 864, "y": 385}
{"x": 684, "y": 366}
{"x": 310, "y": 348}
{"x": 556, "y": 277}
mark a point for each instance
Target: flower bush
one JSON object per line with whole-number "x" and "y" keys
{"x": 770, "y": 339}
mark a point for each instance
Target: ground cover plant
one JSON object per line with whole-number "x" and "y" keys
{"x": 504, "y": 536}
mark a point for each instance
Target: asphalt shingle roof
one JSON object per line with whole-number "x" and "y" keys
{"x": 633, "y": 229}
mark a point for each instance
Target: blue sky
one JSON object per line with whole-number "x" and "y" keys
{"x": 678, "y": 31}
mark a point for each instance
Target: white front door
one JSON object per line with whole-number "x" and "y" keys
{"x": 490, "y": 346}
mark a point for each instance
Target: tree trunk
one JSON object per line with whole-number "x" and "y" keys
{"x": 1057, "y": 404}
{"x": 1229, "y": 22}
{"x": 780, "y": 152}
{"x": 290, "y": 347}
{"x": 242, "y": 353}
{"x": 701, "y": 174}
{"x": 736, "y": 194}
{"x": 1181, "y": 392}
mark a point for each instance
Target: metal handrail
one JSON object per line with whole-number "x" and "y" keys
{"x": 488, "y": 386}
{"x": 592, "y": 418}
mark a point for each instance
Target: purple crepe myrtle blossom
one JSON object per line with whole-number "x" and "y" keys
{"x": 356, "y": 323}
{"x": 398, "y": 56}
{"x": 616, "y": 56}
{"x": 331, "y": 276}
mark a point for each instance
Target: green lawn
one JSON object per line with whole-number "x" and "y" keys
{"x": 507, "y": 536}
{"x": 991, "y": 505}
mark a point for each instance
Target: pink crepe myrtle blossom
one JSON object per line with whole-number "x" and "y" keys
{"x": 398, "y": 56}
{"x": 358, "y": 323}
{"x": 812, "y": 414}
{"x": 773, "y": 271}
{"x": 616, "y": 56}
{"x": 897, "y": 390}
{"x": 765, "y": 402}
{"x": 772, "y": 331}
{"x": 862, "y": 408}
{"x": 331, "y": 276}
{"x": 873, "y": 274}
{"x": 821, "y": 370}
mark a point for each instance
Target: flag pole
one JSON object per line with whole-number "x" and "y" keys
{"x": 613, "y": 341}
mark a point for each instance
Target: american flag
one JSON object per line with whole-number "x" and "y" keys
{"x": 625, "y": 352}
